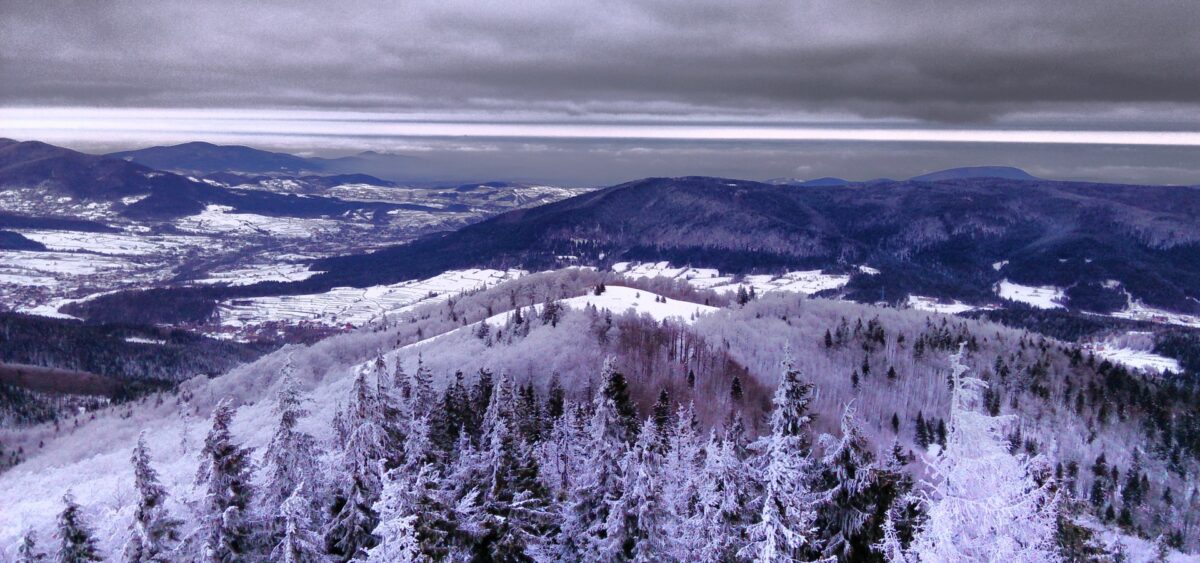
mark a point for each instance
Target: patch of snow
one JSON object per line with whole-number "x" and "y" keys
{"x": 1042, "y": 297}
{"x": 356, "y": 306}
{"x": 1139, "y": 311}
{"x": 931, "y": 304}
{"x": 259, "y": 273}
{"x": 868, "y": 270}
{"x": 808, "y": 282}
{"x": 141, "y": 340}
{"x": 999, "y": 265}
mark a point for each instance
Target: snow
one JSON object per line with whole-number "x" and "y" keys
{"x": 868, "y": 270}
{"x": 999, "y": 265}
{"x": 1136, "y": 359}
{"x": 621, "y": 299}
{"x": 1042, "y": 297}
{"x": 1138, "y": 311}
{"x": 808, "y": 282}
{"x": 220, "y": 219}
{"x": 141, "y": 340}
{"x": 112, "y": 244}
{"x": 259, "y": 273}
{"x": 357, "y": 306}
{"x": 949, "y": 307}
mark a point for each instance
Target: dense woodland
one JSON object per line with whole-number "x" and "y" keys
{"x": 780, "y": 427}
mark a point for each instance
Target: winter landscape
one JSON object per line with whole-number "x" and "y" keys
{"x": 628, "y": 281}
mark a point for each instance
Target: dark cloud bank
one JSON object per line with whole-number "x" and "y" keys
{"x": 1024, "y": 63}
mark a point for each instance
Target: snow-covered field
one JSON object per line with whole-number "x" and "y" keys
{"x": 1042, "y": 297}
{"x": 356, "y": 306}
{"x": 252, "y": 274}
{"x": 949, "y": 307}
{"x": 1138, "y": 311}
{"x": 808, "y": 282}
{"x": 219, "y": 219}
{"x": 1134, "y": 350}
{"x": 114, "y": 244}
{"x": 620, "y": 300}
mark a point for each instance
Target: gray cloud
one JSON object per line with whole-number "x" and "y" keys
{"x": 974, "y": 62}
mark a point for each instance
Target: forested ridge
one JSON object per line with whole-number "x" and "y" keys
{"x": 782, "y": 427}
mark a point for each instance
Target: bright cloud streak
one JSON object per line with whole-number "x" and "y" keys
{"x": 151, "y": 124}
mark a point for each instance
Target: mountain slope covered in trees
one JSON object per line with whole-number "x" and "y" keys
{"x": 501, "y": 424}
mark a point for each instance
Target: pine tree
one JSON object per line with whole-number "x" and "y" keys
{"x": 28, "y": 552}
{"x": 348, "y": 534}
{"x": 600, "y": 483}
{"x": 515, "y": 503}
{"x": 616, "y": 389}
{"x": 154, "y": 533}
{"x": 75, "y": 539}
{"x": 299, "y": 542}
{"x": 290, "y": 459}
{"x": 724, "y": 499}
{"x": 986, "y": 506}
{"x": 422, "y": 389}
{"x": 850, "y": 492}
{"x": 225, "y": 474}
{"x": 636, "y": 526}
{"x": 783, "y": 525}
{"x": 683, "y": 462}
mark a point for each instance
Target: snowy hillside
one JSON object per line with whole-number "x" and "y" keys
{"x": 891, "y": 362}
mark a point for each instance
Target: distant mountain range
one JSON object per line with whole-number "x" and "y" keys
{"x": 206, "y": 158}
{"x": 964, "y": 173}
{"x": 954, "y": 238}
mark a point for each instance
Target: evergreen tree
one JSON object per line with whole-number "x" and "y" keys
{"x": 28, "y": 552}
{"x": 154, "y": 533}
{"x": 850, "y": 493}
{"x": 75, "y": 539}
{"x": 636, "y": 525}
{"x": 683, "y": 462}
{"x": 599, "y": 484}
{"x": 290, "y": 459}
{"x": 348, "y": 534}
{"x": 225, "y": 475}
{"x": 987, "y": 505}
{"x": 616, "y": 389}
{"x": 556, "y": 398}
{"x": 299, "y": 542}
{"x": 783, "y": 524}
{"x": 724, "y": 499}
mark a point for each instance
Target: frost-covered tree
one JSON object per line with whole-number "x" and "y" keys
{"x": 600, "y": 483}
{"x": 398, "y": 543}
{"x": 300, "y": 542}
{"x": 637, "y": 525}
{"x": 985, "y": 504}
{"x": 783, "y": 524}
{"x": 153, "y": 533}
{"x": 683, "y": 461}
{"x": 76, "y": 543}
{"x": 225, "y": 476}
{"x": 27, "y": 551}
{"x": 348, "y": 534}
{"x": 850, "y": 496}
{"x": 290, "y": 458}
{"x": 724, "y": 499}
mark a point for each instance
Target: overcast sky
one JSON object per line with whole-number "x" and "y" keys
{"x": 1108, "y": 90}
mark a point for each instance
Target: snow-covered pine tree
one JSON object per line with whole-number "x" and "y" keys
{"x": 348, "y": 534}
{"x": 225, "y": 475}
{"x": 559, "y": 455}
{"x": 850, "y": 495}
{"x": 515, "y": 504}
{"x": 724, "y": 499}
{"x": 598, "y": 485}
{"x": 153, "y": 533}
{"x": 290, "y": 459}
{"x": 637, "y": 525}
{"x": 985, "y": 506}
{"x": 399, "y": 543}
{"x": 783, "y": 523}
{"x": 684, "y": 462}
{"x": 76, "y": 543}
{"x": 28, "y": 551}
{"x": 299, "y": 542}
{"x": 616, "y": 388}
{"x": 423, "y": 396}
